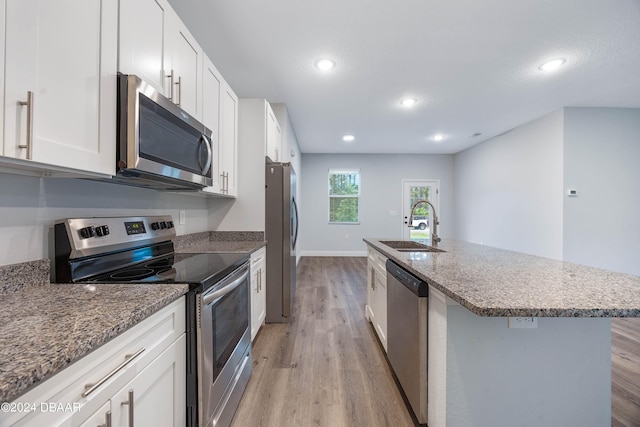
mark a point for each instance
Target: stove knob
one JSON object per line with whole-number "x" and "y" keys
{"x": 99, "y": 231}
{"x": 155, "y": 226}
{"x": 163, "y": 225}
{"x": 169, "y": 224}
{"x": 87, "y": 232}
{"x": 105, "y": 230}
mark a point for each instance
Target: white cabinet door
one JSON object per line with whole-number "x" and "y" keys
{"x": 211, "y": 89}
{"x": 141, "y": 41}
{"x": 371, "y": 286}
{"x": 274, "y": 136}
{"x": 102, "y": 417}
{"x": 377, "y": 294}
{"x": 156, "y": 396}
{"x": 64, "y": 53}
{"x": 381, "y": 307}
{"x": 228, "y": 141}
{"x": 183, "y": 61}
{"x": 258, "y": 291}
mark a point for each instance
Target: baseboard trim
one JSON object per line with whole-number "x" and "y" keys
{"x": 335, "y": 253}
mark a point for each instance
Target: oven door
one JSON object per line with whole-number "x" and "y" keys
{"x": 224, "y": 347}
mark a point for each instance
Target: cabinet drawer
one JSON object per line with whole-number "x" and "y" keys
{"x": 109, "y": 368}
{"x": 378, "y": 260}
{"x": 258, "y": 256}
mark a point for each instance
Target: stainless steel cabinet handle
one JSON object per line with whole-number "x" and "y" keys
{"x": 170, "y": 76}
{"x": 90, "y": 388}
{"x": 179, "y": 90}
{"x": 130, "y": 403}
{"x": 107, "y": 419}
{"x": 373, "y": 279}
{"x": 259, "y": 280}
{"x": 29, "y": 104}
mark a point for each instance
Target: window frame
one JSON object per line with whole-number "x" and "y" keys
{"x": 339, "y": 171}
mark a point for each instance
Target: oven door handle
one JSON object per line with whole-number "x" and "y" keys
{"x": 212, "y": 296}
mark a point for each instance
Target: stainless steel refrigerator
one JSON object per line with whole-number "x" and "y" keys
{"x": 281, "y": 233}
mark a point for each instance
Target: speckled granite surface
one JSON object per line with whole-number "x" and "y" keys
{"x": 17, "y": 276}
{"x": 208, "y": 242}
{"x": 44, "y": 329}
{"x": 496, "y": 282}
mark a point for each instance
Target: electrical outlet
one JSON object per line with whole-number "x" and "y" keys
{"x": 523, "y": 322}
{"x": 183, "y": 217}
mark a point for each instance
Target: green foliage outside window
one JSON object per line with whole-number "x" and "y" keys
{"x": 344, "y": 196}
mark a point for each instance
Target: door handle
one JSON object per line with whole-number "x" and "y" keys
{"x": 29, "y": 104}
{"x": 130, "y": 403}
{"x": 170, "y": 77}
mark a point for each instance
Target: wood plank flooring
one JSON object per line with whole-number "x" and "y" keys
{"x": 625, "y": 372}
{"x": 326, "y": 367}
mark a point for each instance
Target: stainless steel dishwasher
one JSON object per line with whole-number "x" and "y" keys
{"x": 407, "y": 305}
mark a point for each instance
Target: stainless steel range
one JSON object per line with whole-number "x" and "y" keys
{"x": 140, "y": 250}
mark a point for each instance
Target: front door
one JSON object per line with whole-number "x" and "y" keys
{"x": 412, "y": 191}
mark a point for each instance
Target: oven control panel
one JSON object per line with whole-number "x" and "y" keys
{"x": 90, "y": 236}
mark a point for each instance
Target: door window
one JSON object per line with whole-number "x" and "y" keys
{"x": 421, "y": 222}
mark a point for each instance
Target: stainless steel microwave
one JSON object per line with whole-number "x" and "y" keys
{"x": 159, "y": 145}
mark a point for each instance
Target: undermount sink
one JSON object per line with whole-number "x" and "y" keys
{"x": 409, "y": 246}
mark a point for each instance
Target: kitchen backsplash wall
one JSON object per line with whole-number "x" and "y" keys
{"x": 29, "y": 207}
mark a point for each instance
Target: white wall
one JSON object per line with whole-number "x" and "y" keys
{"x": 30, "y": 206}
{"x": 246, "y": 212}
{"x": 602, "y": 162}
{"x": 508, "y": 190}
{"x": 381, "y": 192}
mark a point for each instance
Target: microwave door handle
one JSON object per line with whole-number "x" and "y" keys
{"x": 204, "y": 140}
{"x": 212, "y": 296}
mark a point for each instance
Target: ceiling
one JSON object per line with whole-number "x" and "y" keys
{"x": 472, "y": 65}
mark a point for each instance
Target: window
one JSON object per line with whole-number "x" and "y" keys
{"x": 344, "y": 196}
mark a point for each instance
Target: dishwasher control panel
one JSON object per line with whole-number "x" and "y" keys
{"x": 409, "y": 280}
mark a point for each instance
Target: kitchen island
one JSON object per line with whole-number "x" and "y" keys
{"x": 484, "y": 373}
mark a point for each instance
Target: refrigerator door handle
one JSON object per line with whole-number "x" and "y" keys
{"x": 295, "y": 212}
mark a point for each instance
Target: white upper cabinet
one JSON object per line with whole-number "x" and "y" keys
{"x": 228, "y": 141}
{"x": 183, "y": 63}
{"x": 156, "y": 46}
{"x": 141, "y": 50}
{"x": 60, "y": 63}
{"x": 273, "y": 143}
{"x": 212, "y": 83}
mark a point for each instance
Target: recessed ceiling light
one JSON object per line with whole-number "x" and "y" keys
{"x": 438, "y": 137}
{"x": 552, "y": 65}
{"x": 409, "y": 102}
{"x": 325, "y": 64}
{"x": 348, "y": 138}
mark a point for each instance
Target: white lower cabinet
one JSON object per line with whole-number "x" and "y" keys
{"x": 377, "y": 294}
{"x": 156, "y": 396}
{"x": 140, "y": 374}
{"x": 258, "y": 290}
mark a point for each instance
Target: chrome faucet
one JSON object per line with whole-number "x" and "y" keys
{"x": 434, "y": 234}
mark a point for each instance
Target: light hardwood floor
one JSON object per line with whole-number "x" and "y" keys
{"x": 326, "y": 367}
{"x": 625, "y": 372}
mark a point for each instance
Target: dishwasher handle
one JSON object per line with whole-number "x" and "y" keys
{"x": 409, "y": 280}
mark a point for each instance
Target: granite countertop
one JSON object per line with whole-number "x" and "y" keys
{"x": 496, "y": 282}
{"x": 220, "y": 241}
{"x": 45, "y": 328}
